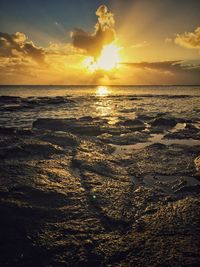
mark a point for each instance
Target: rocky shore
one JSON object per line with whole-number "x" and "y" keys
{"x": 68, "y": 198}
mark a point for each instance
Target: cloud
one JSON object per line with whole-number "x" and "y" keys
{"x": 22, "y": 62}
{"x": 168, "y": 40}
{"x": 160, "y": 65}
{"x": 189, "y": 39}
{"x": 104, "y": 33}
{"x": 140, "y": 45}
{"x": 62, "y": 49}
{"x": 164, "y": 72}
{"x": 16, "y": 45}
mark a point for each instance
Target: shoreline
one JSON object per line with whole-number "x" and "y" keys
{"x": 74, "y": 202}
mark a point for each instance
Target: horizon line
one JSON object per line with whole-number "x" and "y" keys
{"x": 110, "y": 85}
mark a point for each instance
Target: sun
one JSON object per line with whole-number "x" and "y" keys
{"x": 108, "y": 59}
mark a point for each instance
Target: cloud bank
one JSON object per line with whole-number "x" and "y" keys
{"x": 104, "y": 33}
{"x": 189, "y": 39}
{"x": 162, "y": 72}
{"x": 23, "y": 62}
{"x": 16, "y": 45}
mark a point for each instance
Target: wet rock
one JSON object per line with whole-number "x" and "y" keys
{"x": 197, "y": 163}
{"x": 134, "y": 125}
{"x": 86, "y": 118}
{"x": 124, "y": 139}
{"x": 190, "y": 126}
{"x": 151, "y": 209}
{"x": 7, "y": 130}
{"x": 10, "y": 99}
{"x": 32, "y": 148}
{"x": 11, "y": 108}
{"x": 47, "y": 100}
{"x": 135, "y": 98}
{"x": 197, "y": 166}
{"x": 190, "y": 132}
{"x": 157, "y": 146}
{"x": 106, "y": 137}
{"x": 83, "y": 126}
{"x": 97, "y": 160}
{"x": 188, "y": 189}
{"x": 128, "y": 110}
{"x": 62, "y": 139}
{"x": 79, "y": 206}
{"x": 115, "y": 130}
{"x": 130, "y": 122}
{"x": 161, "y": 160}
{"x": 52, "y": 124}
{"x": 164, "y": 122}
{"x": 55, "y": 100}
{"x": 24, "y": 132}
{"x": 72, "y": 125}
{"x": 144, "y": 117}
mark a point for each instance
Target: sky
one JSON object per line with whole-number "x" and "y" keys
{"x": 118, "y": 42}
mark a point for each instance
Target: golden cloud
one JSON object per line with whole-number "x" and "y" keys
{"x": 16, "y": 45}
{"x": 189, "y": 39}
{"x": 104, "y": 33}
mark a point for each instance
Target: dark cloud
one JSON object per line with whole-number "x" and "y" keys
{"x": 172, "y": 66}
{"x": 189, "y": 39}
{"x": 168, "y": 72}
{"x": 104, "y": 33}
{"x": 16, "y": 45}
{"x": 161, "y": 65}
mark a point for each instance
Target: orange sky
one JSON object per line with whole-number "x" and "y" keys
{"x": 142, "y": 48}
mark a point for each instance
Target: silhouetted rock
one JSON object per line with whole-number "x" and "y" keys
{"x": 190, "y": 132}
{"x": 7, "y": 130}
{"x": 10, "y": 99}
{"x": 134, "y": 125}
{"x": 164, "y": 122}
{"x": 125, "y": 139}
{"x": 30, "y": 149}
{"x": 135, "y": 122}
{"x": 71, "y": 125}
{"x": 62, "y": 139}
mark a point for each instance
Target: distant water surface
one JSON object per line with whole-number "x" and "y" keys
{"x": 51, "y": 91}
{"x": 113, "y": 103}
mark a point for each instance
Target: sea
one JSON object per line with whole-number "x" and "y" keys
{"x": 21, "y": 105}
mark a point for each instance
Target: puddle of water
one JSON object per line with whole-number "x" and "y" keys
{"x": 197, "y": 125}
{"x": 155, "y": 138}
{"x": 178, "y": 127}
{"x": 189, "y": 180}
{"x": 168, "y": 184}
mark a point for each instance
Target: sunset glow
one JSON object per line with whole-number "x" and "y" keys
{"x": 108, "y": 59}
{"x": 100, "y": 133}
{"x": 109, "y": 44}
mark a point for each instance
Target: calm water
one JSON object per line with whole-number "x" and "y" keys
{"x": 51, "y": 91}
{"x": 112, "y": 103}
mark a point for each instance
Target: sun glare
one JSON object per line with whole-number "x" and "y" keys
{"x": 102, "y": 91}
{"x": 108, "y": 59}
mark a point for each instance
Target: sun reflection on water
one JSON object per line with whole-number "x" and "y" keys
{"x": 102, "y": 91}
{"x": 105, "y": 107}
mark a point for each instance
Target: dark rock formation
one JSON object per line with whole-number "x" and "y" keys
{"x": 164, "y": 122}
{"x": 67, "y": 200}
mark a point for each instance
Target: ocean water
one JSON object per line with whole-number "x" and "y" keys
{"x": 24, "y": 104}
